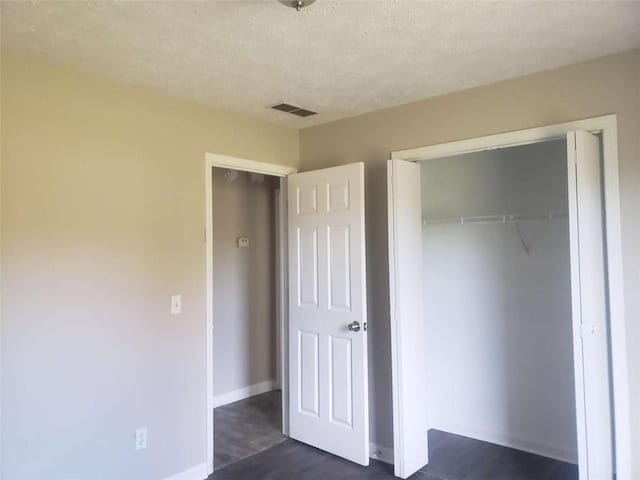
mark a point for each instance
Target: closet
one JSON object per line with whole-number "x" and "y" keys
{"x": 499, "y": 313}
{"x": 497, "y": 298}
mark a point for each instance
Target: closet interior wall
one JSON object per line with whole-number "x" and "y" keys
{"x": 497, "y": 298}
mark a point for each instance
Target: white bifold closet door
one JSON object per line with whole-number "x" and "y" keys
{"x": 408, "y": 328}
{"x": 329, "y": 406}
{"x": 589, "y": 307}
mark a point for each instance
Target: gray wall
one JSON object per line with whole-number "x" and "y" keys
{"x": 243, "y": 282}
{"x": 598, "y": 87}
{"x": 499, "y": 336}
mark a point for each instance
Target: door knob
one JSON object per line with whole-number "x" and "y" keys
{"x": 354, "y": 326}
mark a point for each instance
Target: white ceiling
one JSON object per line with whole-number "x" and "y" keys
{"x": 338, "y": 57}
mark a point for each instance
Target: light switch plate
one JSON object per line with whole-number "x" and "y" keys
{"x": 176, "y": 304}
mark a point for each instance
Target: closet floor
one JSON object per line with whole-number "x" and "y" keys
{"x": 452, "y": 458}
{"x": 247, "y": 427}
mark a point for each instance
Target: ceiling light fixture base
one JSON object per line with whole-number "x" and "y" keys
{"x": 297, "y": 4}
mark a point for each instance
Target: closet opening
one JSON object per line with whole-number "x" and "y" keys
{"x": 507, "y": 306}
{"x": 497, "y": 310}
{"x": 246, "y": 310}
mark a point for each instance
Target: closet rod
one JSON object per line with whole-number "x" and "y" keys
{"x": 510, "y": 218}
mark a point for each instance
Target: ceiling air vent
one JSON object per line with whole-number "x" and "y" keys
{"x": 293, "y": 110}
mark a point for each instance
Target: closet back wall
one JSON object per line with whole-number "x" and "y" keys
{"x": 243, "y": 282}
{"x": 498, "y": 317}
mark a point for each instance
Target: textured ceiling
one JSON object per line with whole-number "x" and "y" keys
{"x": 339, "y": 58}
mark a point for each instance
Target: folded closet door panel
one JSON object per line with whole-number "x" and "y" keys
{"x": 408, "y": 329}
{"x": 589, "y": 304}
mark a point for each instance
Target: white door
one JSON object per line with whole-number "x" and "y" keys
{"x": 408, "y": 330}
{"x": 329, "y": 405}
{"x": 589, "y": 306}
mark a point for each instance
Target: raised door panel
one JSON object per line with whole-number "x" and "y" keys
{"x": 308, "y": 373}
{"x": 339, "y": 264}
{"x": 306, "y": 247}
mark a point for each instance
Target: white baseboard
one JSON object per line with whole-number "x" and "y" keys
{"x": 383, "y": 454}
{"x": 242, "y": 393}
{"x": 556, "y": 453}
{"x": 199, "y": 472}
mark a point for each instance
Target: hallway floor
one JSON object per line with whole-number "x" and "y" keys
{"x": 247, "y": 427}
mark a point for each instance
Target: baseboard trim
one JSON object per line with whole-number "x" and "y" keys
{"x": 380, "y": 453}
{"x": 556, "y": 453}
{"x": 242, "y": 393}
{"x": 199, "y": 472}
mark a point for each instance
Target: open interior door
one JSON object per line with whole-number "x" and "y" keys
{"x": 329, "y": 404}
{"x": 408, "y": 331}
{"x": 589, "y": 307}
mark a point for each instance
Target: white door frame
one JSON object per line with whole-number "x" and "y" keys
{"x": 607, "y": 126}
{"x": 223, "y": 161}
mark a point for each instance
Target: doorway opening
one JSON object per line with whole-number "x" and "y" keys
{"x": 320, "y": 298}
{"x": 247, "y": 405}
{"x": 246, "y": 382}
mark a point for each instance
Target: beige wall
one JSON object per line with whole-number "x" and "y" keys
{"x": 244, "y": 282}
{"x": 603, "y": 86}
{"x": 103, "y": 210}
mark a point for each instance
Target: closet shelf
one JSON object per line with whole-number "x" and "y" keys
{"x": 509, "y": 218}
